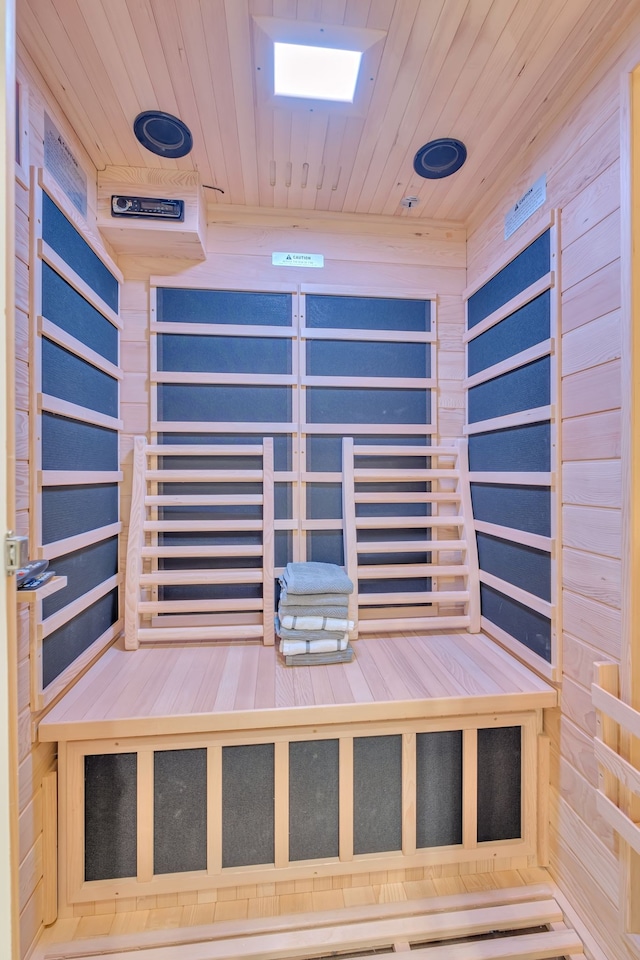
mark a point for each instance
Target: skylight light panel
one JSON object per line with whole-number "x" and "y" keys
{"x": 315, "y": 73}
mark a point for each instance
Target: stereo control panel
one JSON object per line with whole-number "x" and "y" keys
{"x": 147, "y": 207}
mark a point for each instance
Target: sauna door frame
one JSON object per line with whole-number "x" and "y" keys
{"x": 8, "y": 658}
{"x": 630, "y": 448}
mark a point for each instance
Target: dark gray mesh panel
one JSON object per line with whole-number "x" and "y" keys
{"x": 179, "y": 810}
{"x": 367, "y": 405}
{"x": 65, "y": 307}
{"x": 354, "y": 358}
{"x": 247, "y": 805}
{"x": 325, "y": 546}
{"x": 73, "y": 445}
{"x": 524, "y": 566}
{"x": 60, "y": 234}
{"x": 526, "y": 388}
{"x": 526, "y": 448}
{"x": 70, "y": 378}
{"x": 439, "y": 788}
{"x": 110, "y": 816}
{"x": 223, "y": 354}
{"x": 525, "y": 269}
{"x": 313, "y": 800}
{"x": 526, "y": 625}
{"x": 524, "y": 328}
{"x": 499, "y": 783}
{"x": 367, "y": 313}
{"x": 84, "y": 570}
{"x": 325, "y": 453}
{"x": 65, "y": 644}
{"x": 238, "y": 404}
{"x": 68, "y": 511}
{"x": 377, "y": 794}
{"x": 324, "y": 501}
{"x": 177, "y": 305}
{"x": 524, "y": 508}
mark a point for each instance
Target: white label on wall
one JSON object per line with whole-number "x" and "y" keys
{"x": 297, "y": 260}
{"x": 528, "y": 203}
{"x": 63, "y": 166}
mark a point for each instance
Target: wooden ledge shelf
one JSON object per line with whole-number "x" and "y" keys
{"x": 408, "y": 676}
{"x": 52, "y": 586}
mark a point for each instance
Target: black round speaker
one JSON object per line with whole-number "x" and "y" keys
{"x": 163, "y": 134}
{"x": 439, "y": 158}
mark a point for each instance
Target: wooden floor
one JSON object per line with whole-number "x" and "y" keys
{"x": 239, "y": 910}
{"x": 205, "y": 689}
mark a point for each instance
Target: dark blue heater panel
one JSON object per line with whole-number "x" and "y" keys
{"x": 533, "y": 263}
{"x": 63, "y": 237}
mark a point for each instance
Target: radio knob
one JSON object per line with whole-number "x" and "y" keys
{"x": 122, "y": 203}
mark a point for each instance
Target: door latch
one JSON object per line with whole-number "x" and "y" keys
{"x": 16, "y": 552}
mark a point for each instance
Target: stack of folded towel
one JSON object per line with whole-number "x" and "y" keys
{"x": 313, "y": 621}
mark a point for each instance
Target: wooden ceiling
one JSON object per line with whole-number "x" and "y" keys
{"x": 487, "y": 72}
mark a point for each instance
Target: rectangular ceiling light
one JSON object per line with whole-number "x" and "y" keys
{"x": 315, "y": 73}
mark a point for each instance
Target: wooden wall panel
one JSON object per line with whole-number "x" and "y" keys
{"x": 35, "y": 760}
{"x": 580, "y": 153}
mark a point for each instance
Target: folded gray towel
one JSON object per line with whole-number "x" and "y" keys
{"x": 305, "y": 635}
{"x": 311, "y": 577}
{"x": 312, "y": 599}
{"x": 339, "y": 611}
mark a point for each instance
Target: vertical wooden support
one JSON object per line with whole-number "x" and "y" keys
{"x": 470, "y": 789}
{"x": 555, "y": 373}
{"x": 409, "y": 801}
{"x": 214, "y": 809}
{"x": 542, "y": 812}
{"x": 346, "y": 798}
{"x": 145, "y": 815}
{"x": 268, "y": 538}
{"x": 281, "y": 802}
{"x": 134, "y": 546}
{"x": 349, "y": 528}
{"x": 469, "y": 533}
{"x": 50, "y": 847}
{"x": 630, "y": 455}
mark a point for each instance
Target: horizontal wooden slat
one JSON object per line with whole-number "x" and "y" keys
{"x": 521, "y": 418}
{"x": 203, "y": 450}
{"x": 628, "y": 775}
{"x": 199, "y": 526}
{"x": 205, "y": 476}
{"x": 413, "y": 596}
{"x": 535, "y": 352}
{"x": 199, "y": 606}
{"x": 402, "y": 570}
{"x": 183, "y": 577}
{"x": 514, "y": 535}
{"x": 529, "y": 479}
{"x": 379, "y": 383}
{"x": 380, "y": 336}
{"x": 520, "y": 300}
{"x": 382, "y": 523}
{"x": 65, "y": 478}
{"x": 76, "y": 607}
{"x": 202, "y": 634}
{"x": 392, "y": 476}
{"x": 191, "y": 500}
{"x": 535, "y": 946}
{"x": 49, "y": 551}
{"x": 201, "y": 550}
{"x": 48, "y": 254}
{"x": 371, "y": 450}
{"x": 220, "y": 426}
{"x": 410, "y": 546}
{"x": 221, "y": 330}
{"x": 393, "y": 496}
{"x": 621, "y": 823}
{"x": 247, "y": 379}
{"x": 365, "y": 625}
{"x": 618, "y": 710}
{"x": 62, "y": 338}
{"x": 522, "y": 596}
{"x": 65, "y": 409}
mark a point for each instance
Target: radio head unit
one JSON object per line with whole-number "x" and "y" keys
{"x": 150, "y": 208}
